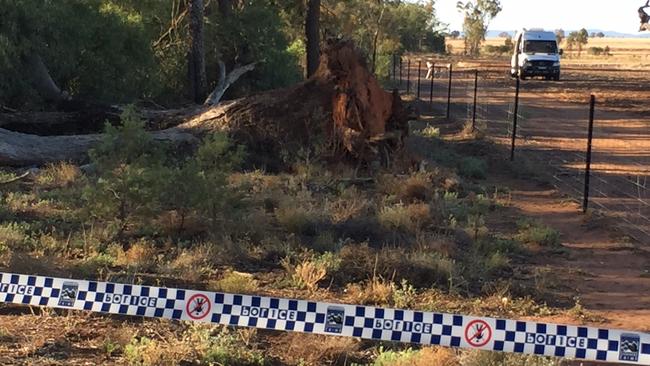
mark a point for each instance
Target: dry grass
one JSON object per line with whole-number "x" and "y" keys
{"x": 375, "y": 291}
{"x": 235, "y": 283}
{"x": 408, "y": 218}
{"x": 58, "y": 175}
{"x": 12, "y": 235}
{"x": 310, "y": 270}
{"x": 351, "y": 204}
{"x": 310, "y": 349}
{"x": 141, "y": 256}
{"x": 191, "y": 264}
{"x": 298, "y": 214}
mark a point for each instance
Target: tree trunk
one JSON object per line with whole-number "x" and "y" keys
{"x": 312, "y": 33}
{"x": 342, "y": 112}
{"x": 375, "y": 38}
{"x": 196, "y": 64}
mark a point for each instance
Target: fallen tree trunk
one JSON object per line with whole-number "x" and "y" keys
{"x": 20, "y": 149}
{"x": 341, "y": 111}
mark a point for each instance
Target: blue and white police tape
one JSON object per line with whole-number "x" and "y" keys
{"x": 367, "y": 322}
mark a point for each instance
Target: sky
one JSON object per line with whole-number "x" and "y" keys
{"x": 607, "y": 15}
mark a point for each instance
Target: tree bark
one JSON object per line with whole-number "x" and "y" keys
{"x": 226, "y": 81}
{"x": 197, "y": 72}
{"x": 312, "y": 35}
{"x": 341, "y": 113}
{"x": 41, "y": 79}
{"x": 375, "y": 38}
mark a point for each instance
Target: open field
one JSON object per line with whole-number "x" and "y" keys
{"x": 625, "y": 52}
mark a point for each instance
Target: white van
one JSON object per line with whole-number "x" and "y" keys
{"x": 536, "y": 54}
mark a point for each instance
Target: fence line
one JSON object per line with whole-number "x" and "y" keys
{"x": 588, "y": 171}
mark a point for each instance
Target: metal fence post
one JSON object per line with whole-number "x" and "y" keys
{"x": 408, "y": 76}
{"x": 417, "y": 94}
{"x": 514, "y": 121}
{"x": 394, "y": 67}
{"x": 400, "y": 70}
{"x": 475, "y": 98}
{"x": 585, "y": 202}
{"x": 433, "y": 74}
{"x": 451, "y": 70}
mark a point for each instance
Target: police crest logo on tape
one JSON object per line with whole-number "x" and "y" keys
{"x": 629, "y": 347}
{"x": 334, "y": 319}
{"x": 68, "y": 294}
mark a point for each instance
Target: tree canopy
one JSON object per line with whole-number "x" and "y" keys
{"x": 477, "y": 17}
{"x": 123, "y": 51}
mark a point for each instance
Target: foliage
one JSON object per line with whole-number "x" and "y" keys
{"x": 310, "y": 269}
{"x": 599, "y": 51}
{"x": 507, "y": 47}
{"x": 126, "y": 50}
{"x": 93, "y": 49}
{"x": 560, "y": 35}
{"x": 533, "y": 232}
{"x": 473, "y": 168}
{"x": 430, "y": 131}
{"x": 251, "y": 33}
{"x": 130, "y": 166}
{"x": 577, "y": 39}
{"x": 123, "y": 50}
{"x": 214, "y": 160}
{"x": 477, "y": 16}
{"x": 224, "y": 348}
{"x": 137, "y": 179}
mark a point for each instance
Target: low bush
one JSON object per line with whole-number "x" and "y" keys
{"x": 534, "y": 232}
{"x": 471, "y": 167}
{"x": 308, "y": 271}
{"x": 406, "y": 218}
{"x": 236, "y": 283}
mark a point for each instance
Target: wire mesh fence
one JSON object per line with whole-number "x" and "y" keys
{"x": 549, "y": 130}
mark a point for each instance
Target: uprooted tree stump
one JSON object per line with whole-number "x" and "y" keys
{"x": 342, "y": 110}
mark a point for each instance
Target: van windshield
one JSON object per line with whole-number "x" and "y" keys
{"x": 540, "y": 47}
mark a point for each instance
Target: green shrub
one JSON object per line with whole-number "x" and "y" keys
{"x": 215, "y": 160}
{"x": 596, "y": 51}
{"x": 15, "y": 235}
{"x": 534, "y": 232}
{"x": 224, "y": 348}
{"x": 430, "y": 132}
{"x": 137, "y": 179}
{"x": 297, "y": 219}
{"x": 130, "y": 173}
{"x": 471, "y": 167}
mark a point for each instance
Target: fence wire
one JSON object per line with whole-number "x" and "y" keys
{"x": 550, "y": 131}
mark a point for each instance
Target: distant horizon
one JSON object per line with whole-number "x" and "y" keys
{"x": 554, "y": 14}
{"x": 609, "y": 34}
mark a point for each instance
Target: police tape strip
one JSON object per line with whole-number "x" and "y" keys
{"x": 367, "y": 322}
